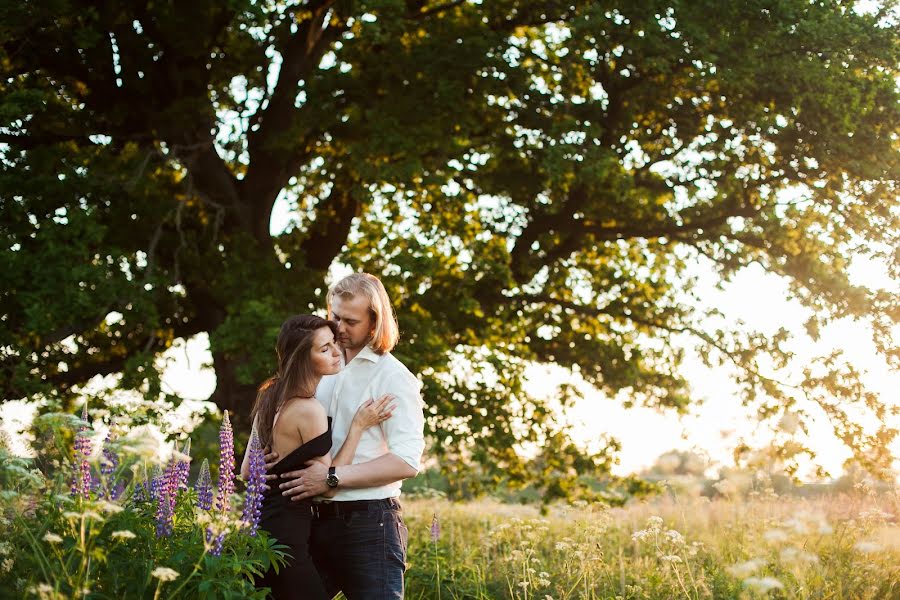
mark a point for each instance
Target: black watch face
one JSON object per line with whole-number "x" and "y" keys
{"x": 331, "y": 480}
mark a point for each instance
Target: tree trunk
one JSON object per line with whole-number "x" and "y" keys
{"x": 231, "y": 395}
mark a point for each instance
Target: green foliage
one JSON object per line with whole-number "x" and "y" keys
{"x": 536, "y": 182}
{"x": 56, "y": 545}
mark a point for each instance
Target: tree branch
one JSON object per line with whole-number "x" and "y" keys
{"x": 334, "y": 218}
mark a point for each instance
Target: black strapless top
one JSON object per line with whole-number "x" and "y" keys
{"x": 299, "y": 456}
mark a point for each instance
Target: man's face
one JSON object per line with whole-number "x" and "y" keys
{"x": 354, "y": 320}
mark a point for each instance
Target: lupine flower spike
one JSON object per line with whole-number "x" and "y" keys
{"x": 256, "y": 485}
{"x": 165, "y": 505}
{"x": 108, "y": 466}
{"x": 226, "y": 465}
{"x": 81, "y": 479}
{"x": 141, "y": 488}
{"x": 156, "y": 483}
{"x": 435, "y": 528}
{"x": 204, "y": 487}
{"x": 183, "y": 466}
{"x": 214, "y": 542}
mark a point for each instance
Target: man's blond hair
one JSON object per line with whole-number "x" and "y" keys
{"x": 386, "y": 332}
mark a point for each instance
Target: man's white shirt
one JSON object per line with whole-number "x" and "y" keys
{"x": 370, "y": 376}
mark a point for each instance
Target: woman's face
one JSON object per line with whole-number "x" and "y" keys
{"x": 325, "y": 354}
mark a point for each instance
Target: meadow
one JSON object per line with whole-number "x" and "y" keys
{"x": 95, "y": 517}
{"x": 840, "y": 546}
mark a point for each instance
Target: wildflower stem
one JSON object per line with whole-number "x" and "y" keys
{"x": 191, "y": 574}
{"x": 437, "y": 567}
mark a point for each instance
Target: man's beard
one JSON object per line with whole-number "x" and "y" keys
{"x": 345, "y": 344}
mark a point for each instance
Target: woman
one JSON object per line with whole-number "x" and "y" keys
{"x": 290, "y": 421}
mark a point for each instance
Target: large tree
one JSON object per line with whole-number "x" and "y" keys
{"x": 535, "y": 181}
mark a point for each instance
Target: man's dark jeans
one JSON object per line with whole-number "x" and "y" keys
{"x": 361, "y": 551}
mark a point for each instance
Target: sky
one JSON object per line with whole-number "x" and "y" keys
{"x": 716, "y": 426}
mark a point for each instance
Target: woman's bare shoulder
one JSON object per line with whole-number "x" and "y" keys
{"x": 302, "y": 408}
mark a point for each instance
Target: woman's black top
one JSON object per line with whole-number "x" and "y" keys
{"x": 290, "y": 522}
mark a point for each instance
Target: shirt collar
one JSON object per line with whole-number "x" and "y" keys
{"x": 368, "y": 354}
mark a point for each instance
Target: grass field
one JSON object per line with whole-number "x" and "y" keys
{"x": 844, "y": 546}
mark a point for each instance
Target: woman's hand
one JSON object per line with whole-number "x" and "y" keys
{"x": 373, "y": 412}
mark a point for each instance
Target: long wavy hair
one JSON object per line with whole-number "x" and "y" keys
{"x": 295, "y": 375}
{"x": 386, "y": 333}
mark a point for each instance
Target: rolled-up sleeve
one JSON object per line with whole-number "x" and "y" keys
{"x": 405, "y": 430}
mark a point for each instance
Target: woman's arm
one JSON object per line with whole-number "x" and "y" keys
{"x": 245, "y": 464}
{"x": 371, "y": 413}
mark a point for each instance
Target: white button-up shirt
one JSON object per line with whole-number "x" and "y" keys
{"x": 370, "y": 375}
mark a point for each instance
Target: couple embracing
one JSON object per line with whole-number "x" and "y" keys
{"x": 343, "y": 421}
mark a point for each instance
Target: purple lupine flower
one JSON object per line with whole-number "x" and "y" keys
{"x": 141, "y": 489}
{"x": 165, "y": 506}
{"x": 156, "y": 483}
{"x": 172, "y": 480}
{"x": 256, "y": 485}
{"x": 118, "y": 489}
{"x": 183, "y": 467}
{"x": 108, "y": 466}
{"x": 226, "y": 465}
{"x": 204, "y": 487}
{"x": 81, "y": 479}
{"x": 214, "y": 542}
{"x": 435, "y": 528}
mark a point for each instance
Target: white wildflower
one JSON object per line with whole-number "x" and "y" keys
{"x": 6, "y": 566}
{"x": 775, "y": 535}
{"x": 45, "y": 591}
{"x": 763, "y": 584}
{"x": 866, "y": 546}
{"x": 797, "y": 525}
{"x": 124, "y": 534}
{"x": 145, "y": 441}
{"x": 164, "y": 574}
{"x": 798, "y": 555}
{"x": 109, "y": 507}
{"x": 875, "y": 514}
{"x": 674, "y": 537}
{"x": 52, "y": 538}
{"x": 670, "y": 558}
{"x": 747, "y": 568}
{"x": 640, "y": 536}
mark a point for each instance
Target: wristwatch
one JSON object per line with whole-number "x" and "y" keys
{"x": 332, "y": 480}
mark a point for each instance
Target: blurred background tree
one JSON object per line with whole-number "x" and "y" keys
{"x": 533, "y": 180}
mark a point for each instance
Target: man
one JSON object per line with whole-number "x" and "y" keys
{"x": 359, "y": 540}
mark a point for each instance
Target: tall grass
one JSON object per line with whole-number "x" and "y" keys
{"x": 841, "y": 546}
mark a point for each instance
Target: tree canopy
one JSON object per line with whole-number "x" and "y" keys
{"x": 535, "y": 181}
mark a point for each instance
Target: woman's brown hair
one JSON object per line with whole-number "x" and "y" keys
{"x": 294, "y": 376}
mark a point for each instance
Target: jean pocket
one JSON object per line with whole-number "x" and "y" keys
{"x": 404, "y": 536}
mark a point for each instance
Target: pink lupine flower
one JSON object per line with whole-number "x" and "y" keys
{"x": 226, "y": 465}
